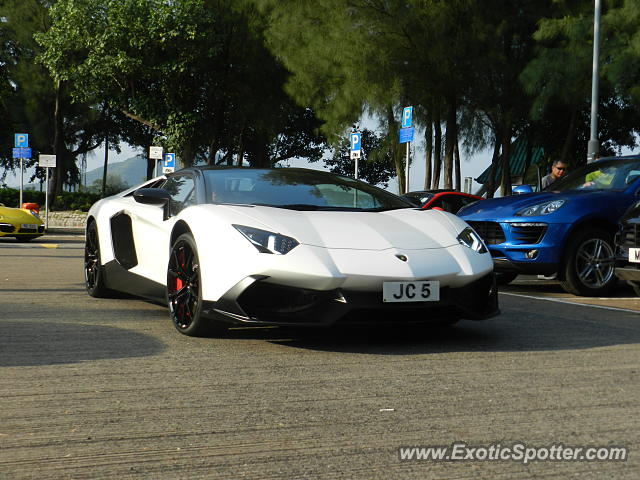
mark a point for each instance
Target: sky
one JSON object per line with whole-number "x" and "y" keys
{"x": 470, "y": 167}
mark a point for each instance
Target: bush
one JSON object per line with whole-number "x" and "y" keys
{"x": 65, "y": 201}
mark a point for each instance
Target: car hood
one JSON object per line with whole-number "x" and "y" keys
{"x": 17, "y": 215}
{"x": 403, "y": 228}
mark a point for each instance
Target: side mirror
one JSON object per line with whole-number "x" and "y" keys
{"x": 152, "y": 196}
{"x": 522, "y": 189}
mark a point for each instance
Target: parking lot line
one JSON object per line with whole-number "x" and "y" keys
{"x": 577, "y": 301}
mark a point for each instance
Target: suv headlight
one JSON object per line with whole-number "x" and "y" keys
{"x": 541, "y": 209}
{"x": 267, "y": 242}
{"x": 469, "y": 238}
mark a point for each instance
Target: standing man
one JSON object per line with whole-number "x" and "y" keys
{"x": 558, "y": 169}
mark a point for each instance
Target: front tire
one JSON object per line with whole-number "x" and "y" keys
{"x": 184, "y": 290}
{"x": 505, "y": 278}
{"x": 26, "y": 238}
{"x": 589, "y": 265}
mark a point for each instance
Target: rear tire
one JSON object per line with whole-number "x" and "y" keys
{"x": 589, "y": 265}
{"x": 94, "y": 276}
{"x": 184, "y": 290}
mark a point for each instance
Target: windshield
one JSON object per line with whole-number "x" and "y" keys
{"x": 419, "y": 198}
{"x": 613, "y": 175}
{"x": 297, "y": 189}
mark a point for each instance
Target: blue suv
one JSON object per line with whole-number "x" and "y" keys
{"x": 566, "y": 229}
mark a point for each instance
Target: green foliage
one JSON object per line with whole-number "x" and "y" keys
{"x": 559, "y": 79}
{"x": 64, "y": 201}
{"x": 376, "y": 166}
{"x": 195, "y": 71}
{"x": 259, "y": 81}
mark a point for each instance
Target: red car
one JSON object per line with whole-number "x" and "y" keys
{"x": 447, "y": 200}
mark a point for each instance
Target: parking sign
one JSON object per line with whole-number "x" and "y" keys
{"x": 407, "y": 115}
{"x": 355, "y": 142}
{"x": 169, "y": 163}
{"x": 21, "y": 140}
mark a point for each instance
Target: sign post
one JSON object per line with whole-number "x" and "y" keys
{"x": 47, "y": 161}
{"x": 23, "y": 151}
{"x": 169, "y": 163}
{"x": 155, "y": 153}
{"x": 356, "y": 149}
{"x": 406, "y": 136}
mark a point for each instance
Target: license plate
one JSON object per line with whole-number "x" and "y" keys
{"x": 411, "y": 291}
{"x": 31, "y": 226}
{"x": 634, "y": 255}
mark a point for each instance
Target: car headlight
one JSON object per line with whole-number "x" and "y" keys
{"x": 541, "y": 209}
{"x": 469, "y": 238}
{"x": 35, "y": 214}
{"x": 267, "y": 242}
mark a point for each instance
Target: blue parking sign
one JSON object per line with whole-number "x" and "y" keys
{"x": 170, "y": 160}
{"x": 21, "y": 152}
{"x": 406, "y": 135}
{"x": 407, "y": 117}
{"x": 356, "y": 142}
{"x": 21, "y": 140}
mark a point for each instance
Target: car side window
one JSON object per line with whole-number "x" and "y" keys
{"x": 445, "y": 202}
{"x": 182, "y": 191}
{"x": 462, "y": 201}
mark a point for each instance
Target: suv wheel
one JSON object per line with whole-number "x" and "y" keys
{"x": 589, "y": 264}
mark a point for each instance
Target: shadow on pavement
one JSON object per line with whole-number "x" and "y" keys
{"x": 50, "y": 343}
{"x": 524, "y": 325}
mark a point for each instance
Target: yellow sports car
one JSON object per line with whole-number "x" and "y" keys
{"x": 21, "y": 223}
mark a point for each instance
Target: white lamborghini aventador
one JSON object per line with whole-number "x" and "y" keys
{"x": 285, "y": 246}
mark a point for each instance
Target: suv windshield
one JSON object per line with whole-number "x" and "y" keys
{"x": 613, "y": 175}
{"x": 297, "y": 189}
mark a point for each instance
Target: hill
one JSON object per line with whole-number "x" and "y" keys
{"x": 132, "y": 171}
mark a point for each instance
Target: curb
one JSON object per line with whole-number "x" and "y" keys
{"x": 64, "y": 231}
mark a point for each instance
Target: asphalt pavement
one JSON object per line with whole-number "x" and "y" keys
{"x": 106, "y": 388}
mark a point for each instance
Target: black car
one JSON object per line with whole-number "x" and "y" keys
{"x": 628, "y": 248}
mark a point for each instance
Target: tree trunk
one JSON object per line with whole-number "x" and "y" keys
{"x": 456, "y": 156}
{"x": 151, "y": 162}
{"x": 59, "y": 149}
{"x": 506, "y": 161}
{"x": 450, "y": 141}
{"x": 104, "y": 169}
{"x": 428, "y": 151}
{"x": 568, "y": 141}
{"x": 437, "y": 155}
{"x": 491, "y": 182}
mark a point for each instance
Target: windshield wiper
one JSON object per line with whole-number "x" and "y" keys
{"x": 299, "y": 206}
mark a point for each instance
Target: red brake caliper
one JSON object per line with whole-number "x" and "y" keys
{"x": 181, "y": 262}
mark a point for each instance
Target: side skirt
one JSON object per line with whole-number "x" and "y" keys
{"x": 122, "y": 280}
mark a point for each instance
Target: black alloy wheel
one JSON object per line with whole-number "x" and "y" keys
{"x": 184, "y": 293}
{"x": 94, "y": 277}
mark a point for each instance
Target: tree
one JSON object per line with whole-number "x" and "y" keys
{"x": 559, "y": 78}
{"x": 40, "y": 105}
{"x": 194, "y": 72}
{"x": 376, "y": 166}
{"x": 376, "y": 56}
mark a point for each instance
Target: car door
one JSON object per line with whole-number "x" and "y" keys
{"x": 152, "y": 229}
